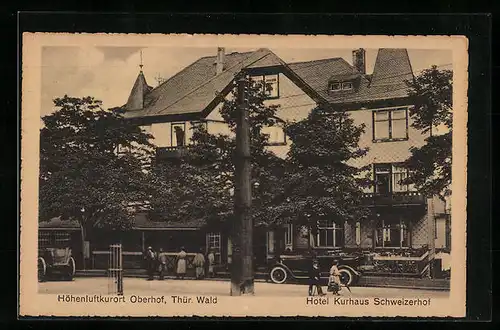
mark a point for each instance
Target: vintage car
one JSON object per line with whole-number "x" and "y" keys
{"x": 56, "y": 262}
{"x": 286, "y": 267}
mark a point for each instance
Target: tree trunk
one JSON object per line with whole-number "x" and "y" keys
{"x": 242, "y": 273}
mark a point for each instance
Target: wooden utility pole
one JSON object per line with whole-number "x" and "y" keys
{"x": 242, "y": 276}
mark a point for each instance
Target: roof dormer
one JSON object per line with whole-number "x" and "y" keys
{"x": 343, "y": 83}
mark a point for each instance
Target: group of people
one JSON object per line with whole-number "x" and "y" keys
{"x": 157, "y": 263}
{"x": 334, "y": 284}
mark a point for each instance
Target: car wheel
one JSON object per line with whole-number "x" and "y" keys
{"x": 71, "y": 269}
{"x": 347, "y": 277}
{"x": 42, "y": 269}
{"x": 278, "y": 275}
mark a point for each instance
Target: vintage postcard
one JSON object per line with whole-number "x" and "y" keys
{"x": 243, "y": 175}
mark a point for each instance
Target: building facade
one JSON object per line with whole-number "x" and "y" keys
{"x": 403, "y": 221}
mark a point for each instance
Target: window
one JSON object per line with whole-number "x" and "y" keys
{"x": 202, "y": 124}
{"x": 288, "y": 235}
{"x": 272, "y": 86}
{"x": 178, "y": 135}
{"x": 392, "y": 233}
{"x": 358, "y": 233}
{"x": 146, "y": 129}
{"x": 391, "y": 124}
{"x": 270, "y": 241}
{"x": 346, "y": 85}
{"x": 276, "y": 134}
{"x": 399, "y": 124}
{"x": 43, "y": 239}
{"x": 400, "y": 173}
{"x": 330, "y": 234}
{"x": 53, "y": 238}
{"x": 270, "y": 83}
{"x": 388, "y": 179}
{"x": 335, "y": 86}
{"x": 382, "y": 179}
{"x": 214, "y": 242}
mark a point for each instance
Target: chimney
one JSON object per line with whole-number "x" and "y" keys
{"x": 219, "y": 64}
{"x": 359, "y": 60}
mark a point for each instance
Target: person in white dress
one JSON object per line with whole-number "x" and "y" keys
{"x": 211, "y": 263}
{"x": 181, "y": 263}
{"x": 334, "y": 279}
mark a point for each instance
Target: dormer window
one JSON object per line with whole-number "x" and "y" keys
{"x": 346, "y": 85}
{"x": 335, "y": 86}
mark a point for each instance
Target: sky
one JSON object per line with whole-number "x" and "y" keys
{"x": 109, "y": 72}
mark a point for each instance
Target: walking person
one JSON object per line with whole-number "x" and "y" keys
{"x": 199, "y": 264}
{"x": 150, "y": 262}
{"x": 211, "y": 263}
{"x": 181, "y": 263}
{"x": 314, "y": 279}
{"x": 162, "y": 264}
{"x": 334, "y": 279}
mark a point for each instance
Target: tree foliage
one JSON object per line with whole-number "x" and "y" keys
{"x": 431, "y": 94}
{"x": 82, "y": 176}
{"x": 320, "y": 182}
{"x": 430, "y": 165}
{"x": 199, "y": 184}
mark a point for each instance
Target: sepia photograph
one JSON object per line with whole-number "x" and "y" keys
{"x": 306, "y": 175}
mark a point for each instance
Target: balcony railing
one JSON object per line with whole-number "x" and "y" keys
{"x": 171, "y": 152}
{"x": 394, "y": 198}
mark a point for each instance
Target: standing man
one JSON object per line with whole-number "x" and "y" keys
{"x": 150, "y": 262}
{"x": 314, "y": 279}
{"x": 162, "y": 263}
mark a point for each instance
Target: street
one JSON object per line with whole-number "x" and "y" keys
{"x": 140, "y": 286}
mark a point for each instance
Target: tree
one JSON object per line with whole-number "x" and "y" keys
{"x": 430, "y": 165}
{"x": 320, "y": 182}
{"x": 82, "y": 176}
{"x": 198, "y": 185}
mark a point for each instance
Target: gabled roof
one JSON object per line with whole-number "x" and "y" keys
{"x": 194, "y": 90}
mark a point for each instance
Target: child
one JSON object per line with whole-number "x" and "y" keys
{"x": 334, "y": 279}
{"x": 314, "y": 279}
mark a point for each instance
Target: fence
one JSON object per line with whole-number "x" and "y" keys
{"x": 397, "y": 265}
{"x": 115, "y": 270}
